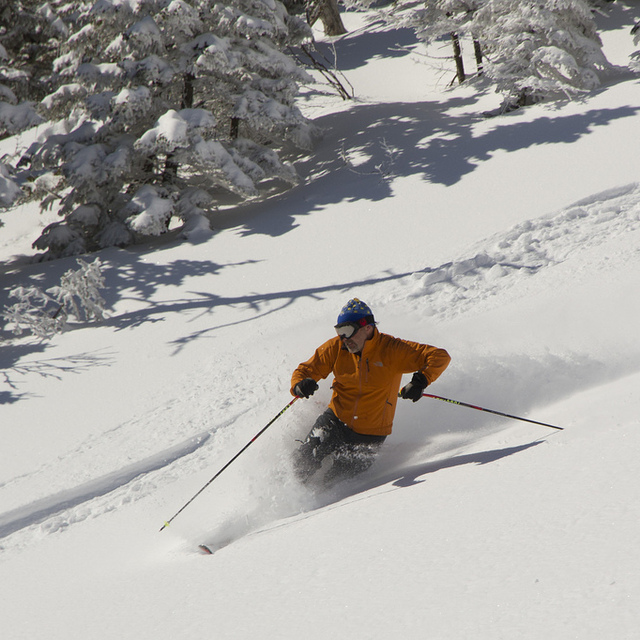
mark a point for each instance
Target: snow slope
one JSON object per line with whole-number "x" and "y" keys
{"x": 512, "y": 242}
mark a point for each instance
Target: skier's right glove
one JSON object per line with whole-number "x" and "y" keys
{"x": 305, "y": 388}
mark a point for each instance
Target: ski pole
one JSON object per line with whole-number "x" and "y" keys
{"x": 498, "y": 413}
{"x": 246, "y": 446}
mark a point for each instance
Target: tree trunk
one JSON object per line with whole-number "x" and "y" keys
{"x": 187, "y": 91}
{"x": 170, "y": 171}
{"x": 171, "y": 166}
{"x": 477, "y": 49}
{"x": 457, "y": 55}
{"x": 327, "y": 11}
{"x": 234, "y": 130}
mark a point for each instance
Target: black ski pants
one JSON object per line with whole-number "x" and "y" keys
{"x": 352, "y": 452}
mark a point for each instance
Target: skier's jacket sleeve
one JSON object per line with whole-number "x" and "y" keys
{"x": 365, "y": 387}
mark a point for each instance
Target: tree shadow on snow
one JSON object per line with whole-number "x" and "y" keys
{"x": 14, "y": 368}
{"x": 133, "y": 276}
{"x": 138, "y": 282}
{"x": 618, "y": 15}
{"x": 356, "y": 48}
{"x": 367, "y": 147}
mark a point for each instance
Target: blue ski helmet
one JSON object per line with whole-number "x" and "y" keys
{"x": 356, "y": 311}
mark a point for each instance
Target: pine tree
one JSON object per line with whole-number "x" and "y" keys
{"x": 165, "y": 106}
{"x": 540, "y": 49}
{"x": 433, "y": 20}
{"x": 530, "y": 49}
{"x": 30, "y": 33}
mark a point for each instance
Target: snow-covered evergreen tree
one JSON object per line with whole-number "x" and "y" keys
{"x": 165, "y": 106}
{"x": 432, "y": 20}
{"x": 542, "y": 48}
{"x": 532, "y": 49}
{"x": 30, "y": 33}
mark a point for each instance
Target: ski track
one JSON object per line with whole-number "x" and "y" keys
{"x": 446, "y": 291}
{"x": 89, "y": 499}
{"x": 51, "y": 507}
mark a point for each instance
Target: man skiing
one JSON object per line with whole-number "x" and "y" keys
{"x": 367, "y": 366}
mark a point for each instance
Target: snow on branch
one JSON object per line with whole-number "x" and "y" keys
{"x": 15, "y": 118}
{"x": 152, "y": 209}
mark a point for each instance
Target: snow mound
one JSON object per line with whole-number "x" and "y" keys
{"x": 502, "y": 263}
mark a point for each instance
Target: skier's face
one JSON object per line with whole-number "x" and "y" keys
{"x": 355, "y": 342}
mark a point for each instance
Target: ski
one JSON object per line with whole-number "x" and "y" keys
{"x": 204, "y": 549}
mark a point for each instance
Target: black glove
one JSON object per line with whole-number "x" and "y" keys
{"x": 413, "y": 390}
{"x": 305, "y": 388}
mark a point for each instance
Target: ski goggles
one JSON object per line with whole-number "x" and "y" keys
{"x": 346, "y": 330}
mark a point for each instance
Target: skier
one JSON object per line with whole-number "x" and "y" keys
{"x": 367, "y": 366}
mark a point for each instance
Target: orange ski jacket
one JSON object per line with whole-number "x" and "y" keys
{"x": 365, "y": 386}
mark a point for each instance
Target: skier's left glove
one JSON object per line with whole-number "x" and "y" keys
{"x": 413, "y": 390}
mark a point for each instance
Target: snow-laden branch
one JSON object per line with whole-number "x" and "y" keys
{"x": 45, "y": 313}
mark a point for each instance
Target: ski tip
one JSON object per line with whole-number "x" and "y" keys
{"x": 204, "y": 549}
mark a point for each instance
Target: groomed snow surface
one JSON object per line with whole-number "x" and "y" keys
{"x": 513, "y": 242}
